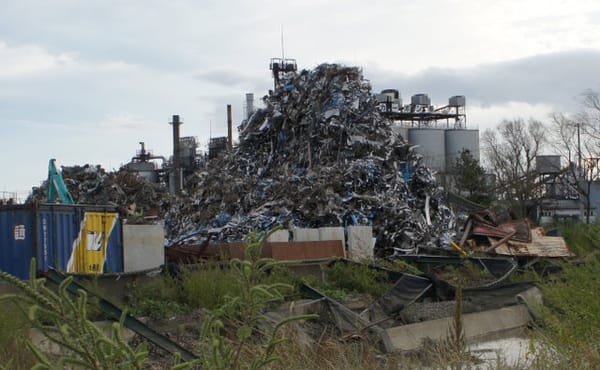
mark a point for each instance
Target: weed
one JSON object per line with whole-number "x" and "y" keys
{"x": 451, "y": 352}
{"x": 229, "y": 335}
{"x": 62, "y": 319}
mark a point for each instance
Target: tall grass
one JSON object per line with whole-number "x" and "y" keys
{"x": 583, "y": 239}
{"x": 208, "y": 287}
{"x": 14, "y": 333}
{"x": 569, "y": 332}
{"x": 571, "y": 315}
{"x": 199, "y": 287}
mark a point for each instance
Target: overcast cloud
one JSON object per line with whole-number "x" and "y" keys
{"x": 85, "y": 81}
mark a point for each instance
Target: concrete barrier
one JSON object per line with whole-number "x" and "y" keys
{"x": 477, "y": 326}
{"x": 143, "y": 247}
{"x": 360, "y": 243}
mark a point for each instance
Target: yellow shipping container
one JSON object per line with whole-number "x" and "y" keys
{"x": 89, "y": 249}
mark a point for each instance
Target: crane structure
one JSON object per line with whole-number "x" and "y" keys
{"x": 56, "y": 186}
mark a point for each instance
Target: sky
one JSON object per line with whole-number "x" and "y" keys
{"x": 86, "y": 81}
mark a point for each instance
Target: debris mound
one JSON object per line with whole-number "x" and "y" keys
{"x": 131, "y": 194}
{"x": 319, "y": 154}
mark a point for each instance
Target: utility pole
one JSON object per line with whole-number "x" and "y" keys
{"x": 593, "y": 164}
{"x": 578, "y": 124}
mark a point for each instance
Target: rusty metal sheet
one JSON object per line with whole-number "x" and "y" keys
{"x": 283, "y": 251}
{"x": 303, "y": 251}
{"x": 540, "y": 246}
{"x": 491, "y": 231}
{"x": 522, "y": 230}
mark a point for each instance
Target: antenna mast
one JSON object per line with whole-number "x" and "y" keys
{"x": 282, "y": 50}
{"x": 282, "y": 66}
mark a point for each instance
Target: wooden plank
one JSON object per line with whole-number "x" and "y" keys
{"x": 540, "y": 246}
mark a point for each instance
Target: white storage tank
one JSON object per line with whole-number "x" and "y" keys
{"x": 457, "y": 140}
{"x": 402, "y": 131}
{"x": 457, "y": 101}
{"x": 420, "y": 99}
{"x": 431, "y": 142}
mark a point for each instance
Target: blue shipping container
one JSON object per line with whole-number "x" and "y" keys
{"x": 69, "y": 238}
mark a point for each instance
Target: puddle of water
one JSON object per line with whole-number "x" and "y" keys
{"x": 511, "y": 351}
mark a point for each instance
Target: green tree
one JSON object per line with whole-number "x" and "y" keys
{"x": 469, "y": 178}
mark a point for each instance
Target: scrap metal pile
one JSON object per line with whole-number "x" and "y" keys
{"x": 319, "y": 154}
{"x": 133, "y": 195}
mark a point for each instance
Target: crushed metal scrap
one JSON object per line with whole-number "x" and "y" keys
{"x": 319, "y": 154}
{"x": 134, "y": 196}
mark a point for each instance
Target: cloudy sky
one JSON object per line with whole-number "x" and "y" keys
{"x": 85, "y": 81}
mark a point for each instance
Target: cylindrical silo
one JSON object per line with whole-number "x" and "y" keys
{"x": 431, "y": 145}
{"x": 458, "y": 140}
{"x": 401, "y": 130}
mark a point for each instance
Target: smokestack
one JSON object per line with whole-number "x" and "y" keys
{"x": 249, "y": 105}
{"x": 229, "y": 128}
{"x": 176, "y": 154}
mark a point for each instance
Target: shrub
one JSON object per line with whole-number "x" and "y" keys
{"x": 356, "y": 278}
{"x": 208, "y": 287}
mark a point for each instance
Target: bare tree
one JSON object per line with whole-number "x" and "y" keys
{"x": 577, "y": 139}
{"x": 511, "y": 151}
{"x": 589, "y": 117}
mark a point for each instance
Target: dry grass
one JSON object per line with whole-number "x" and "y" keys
{"x": 332, "y": 354}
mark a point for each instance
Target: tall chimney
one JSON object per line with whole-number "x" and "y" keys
{"x": 229, "y": 128}
{"x": 249, "y": 105}
{"x": 176, "y": 155}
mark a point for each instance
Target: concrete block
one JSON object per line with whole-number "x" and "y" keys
{"x": 360, "y": 243}
{"x": 143, "y": 247}
{"x": 477, "y": 326}
{"x": 279, "y": 236}
{"x": 305, "y": 235}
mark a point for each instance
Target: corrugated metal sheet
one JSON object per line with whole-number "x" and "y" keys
{"x": 57, "y": 227}
{"x": 17, "y": 241}
{"x": 72, "y": 238}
